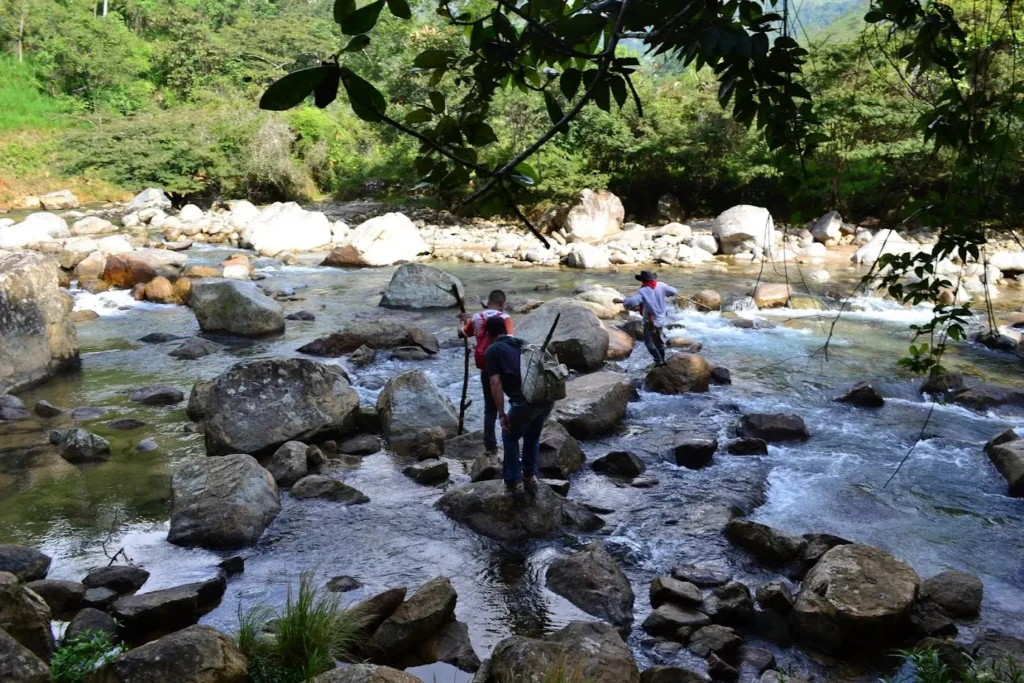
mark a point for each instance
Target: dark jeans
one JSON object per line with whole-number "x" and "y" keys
{"x": 655, "y": 344}
{"x": 490, "y": 413}
{"x": 527, "y": 422}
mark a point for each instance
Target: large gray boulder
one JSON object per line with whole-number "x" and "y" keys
{"x": 418, "y": 618}
{"x": 1008, "y": 458}
{"x": 593, "y": 216}
{"x": 235, "y": 307}
{"x": 61, "y": 200}
{"x": 37, "y": 228}
{"x": 221, "y": 503}
{"x": 150, "y": 198}
{"x": 409, "y": 404}
{"x": 199, "y": 654}
{"x": 884, "y": 242}
{"x": 856, "y": 596}
{"x": 126, "y": 270}
{"x": 489, "y": 509}
{"x": 594, "y": 404}
{"x": 381, "y": 241}
{"x": 828, "y": 229}
{"x": 28, "y": 564}
{"x": 257, "y": 406}
{"x": 580, "y": 341}
{"x": 591, "y": 651}
{"x": 744, "y": 228}
{"x": 145, "y": 616}
{"x": 18, "y": 664}
{"x": 415, "y": 285}
{"x": 366, "y": 673}
{"x": 591, "y": 580}
{"x": 287, "y": 227}
{"x": 377, "y": 334}
{"x": 37, "y": 334}
{"x": 25, "y": 616}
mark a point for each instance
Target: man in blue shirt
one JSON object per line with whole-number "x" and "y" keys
{"x": 523, "y": 421}
{"x": 651, "y": 300}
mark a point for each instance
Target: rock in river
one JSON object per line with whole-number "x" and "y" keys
{"x": 378, "y": 334}
{"x": 409, "y": 404}
{"x": 580, "y": 340}
{"x": 620, "y": 464}
{"x": 325, "y": 488}
{"x": 414, "y": 621}
{"x": 380, "y": 241}
{"x": 591, "y": 580}
{"x": 258, "y": 405}
{"x": 594, "y": 404}
{"x": 957, "y": 593}
{"x": 91, "y": 620}
{"x": 18, "y": 664}
{"x": 221, "y": 503}
{"x": 772, "y": 427}
{"x": 763, "y": 542}
{"x": 157, "y": 395}
{"x": 37, "y": 335}
{"x": 289, "y": 463}
{"x": 863, "y": 394}
{"x": 79, "y": 446}
{"x": 235, "y": 307}
{"x": 199, "y": 654}
{"x": 121, "y": 579}
{"x": 125, "y": 270}
{"x": 28, "y": 564}
{"x": 594, "y": 651}
{"x": 25, "y": 616}
{"x": 145, "y": 616}
{"x": 415, "y": 285}
{"x": 682, "y": 373}
{"x": 287, "y": 227}
{"x": 744, "y": 228}
{"x": 854, "y": 597}
{"x": 489, "y": 509}
{"x": 1008, "y": 458}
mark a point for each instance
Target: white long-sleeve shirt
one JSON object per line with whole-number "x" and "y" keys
{"x": 654, "y": 302}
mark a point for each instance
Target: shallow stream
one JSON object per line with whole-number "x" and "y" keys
{"x": 946, "y": 508}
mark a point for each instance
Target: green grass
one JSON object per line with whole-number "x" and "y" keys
{"x": 930, "y": 666}
{"x": 302, "y": 641}
{"x": 22, "y": 104}
{"x": 78, "y": 658}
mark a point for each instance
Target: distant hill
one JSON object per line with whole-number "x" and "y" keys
{"x": 832, "y": 20}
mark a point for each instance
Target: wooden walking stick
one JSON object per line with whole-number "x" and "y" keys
{"x": 463, "y": 404}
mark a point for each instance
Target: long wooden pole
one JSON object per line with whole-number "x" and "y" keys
{"x": 463, "y": 404}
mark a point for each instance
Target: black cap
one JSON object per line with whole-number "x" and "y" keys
{"x": 646, "y": 275}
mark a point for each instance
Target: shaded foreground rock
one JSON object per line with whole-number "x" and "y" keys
{"x": 594, "y": 404}
{"x": 221, "y": 503}
{"x": 856, "y": 596}
{"x": 145, "y": 616}
{"x": 414, "y": 621}
{"x": 28, "y": 564}
{"x": 25, "y": 617}
{"x": 450, "y": 644}
{"x": 487, "y": 508}
{"x": 197, "y": 654}
{"x": 956, "y": 593}
{"x": 91, "y": 620}
{"x": 763, "y": 542}
{"x": 1008, "y": 458}
{"x": 257, "y": 406}
{"x": 366, "y": 673}
{"x": 591, "y": 580}
{"x": 18, "y": 664}
{"x": 38, "y": 338}
{"x": 64, "y": 598}
{"x": 592, "y": 651}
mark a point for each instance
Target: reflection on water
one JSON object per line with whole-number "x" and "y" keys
{"x": 946, "y": 509}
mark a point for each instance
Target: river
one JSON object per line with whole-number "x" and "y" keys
{"x": 945, "y": 509}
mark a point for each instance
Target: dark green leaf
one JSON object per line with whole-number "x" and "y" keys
{"x": 358, "y": 43}
{"x": 295, "y": 87}
{"x": 432, "y": 59}
{"x": 570, "y": 83}
{"x": 363, "y": 19}
{"x": 343, "y": 8}
{"x": 367, "y": 102}
{"x": 400, "y": 8}
{"x": 479, "y": 134}
{"x": 327, "y": 90}
{"x": 555, "y": 112}
{"x": 437, "y": 101}
{"x": 419, "y": 116}
{"x": 619, "y": 91}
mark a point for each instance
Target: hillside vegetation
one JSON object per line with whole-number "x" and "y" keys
{"x": 165, "y": 93}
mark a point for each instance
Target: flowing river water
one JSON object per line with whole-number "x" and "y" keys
{"x": 945, "y": 509}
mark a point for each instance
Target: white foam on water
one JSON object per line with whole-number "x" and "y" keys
{"x": 112, "y": 303}
{"x": 291, "y": 270}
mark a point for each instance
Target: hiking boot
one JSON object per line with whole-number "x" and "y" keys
{"x": 514, "y": 487}
{"x": 530, "y": 485}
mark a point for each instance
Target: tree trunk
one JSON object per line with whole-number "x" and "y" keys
{"x": 21, "y": 31}
{"x": 104, "y": 7}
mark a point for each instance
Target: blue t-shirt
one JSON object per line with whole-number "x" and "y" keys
{"x": 503, "y": 357}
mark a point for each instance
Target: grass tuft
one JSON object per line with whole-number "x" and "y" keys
{"x": 78, "y": 658}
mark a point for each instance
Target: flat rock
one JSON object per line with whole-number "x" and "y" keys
{"x": 669, "y": 618}
{"x": 118, "y": 578}
{"x": 195, "y": 348}
{"x": 864, "y": 395}
{"x": 199, "y": 654}
{"x": 428, "y": 472}
{"x": 157, "y": 395}
{"x": 768, "y": 545}
{"x": 235, "y": 307}
{"x": 746, "y": 445}
{"x": 594, "y": 404}
{"x": 366, "y": 673}
{"x": 772, "y": 427}
{"x": 325, "y": 488}
{"x": 145, "y": 616}
{"x": 377, "y": 334}
{"x": 364, "y": 444}
{"x": 487, "y": 508}
{"x": 666, "y": 589}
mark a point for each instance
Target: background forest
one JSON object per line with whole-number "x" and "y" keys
{"x": 125, "y": 94}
